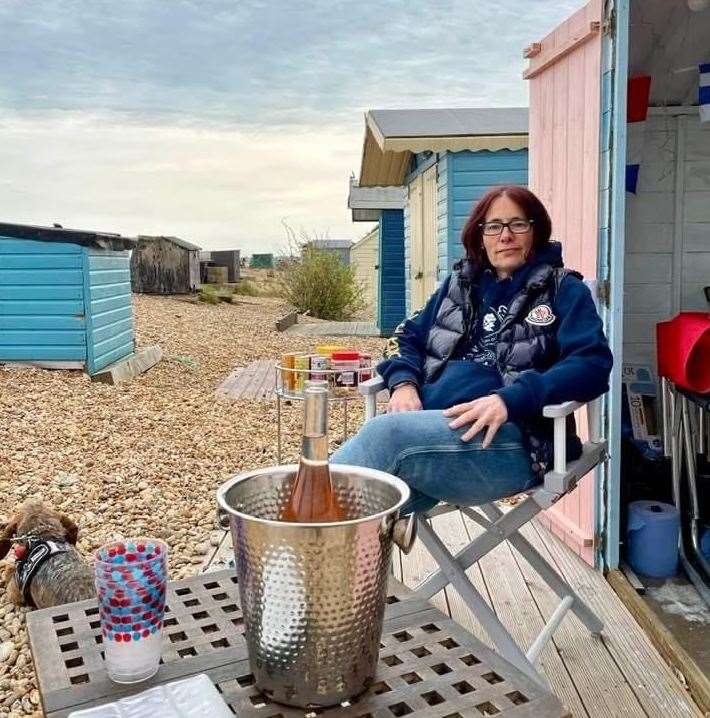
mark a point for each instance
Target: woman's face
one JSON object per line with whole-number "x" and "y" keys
{"x": 508, "y": 250}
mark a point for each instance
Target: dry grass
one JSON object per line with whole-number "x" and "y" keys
{"x": 143, "y": 457}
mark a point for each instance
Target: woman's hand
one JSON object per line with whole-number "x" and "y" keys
{"x": 489, "y": 411}
{"x": 404, "y": 398}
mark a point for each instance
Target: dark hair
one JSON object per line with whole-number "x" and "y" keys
{"x": 534, "y": 209}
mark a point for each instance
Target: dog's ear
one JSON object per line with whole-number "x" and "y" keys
{"x": 6, "y": 536}
{"x": 71, "y": 528}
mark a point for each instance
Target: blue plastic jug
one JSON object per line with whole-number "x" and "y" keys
{"x": 652, "y": 538}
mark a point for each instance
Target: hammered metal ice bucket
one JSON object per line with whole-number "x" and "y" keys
{"x": 313, "y": 595}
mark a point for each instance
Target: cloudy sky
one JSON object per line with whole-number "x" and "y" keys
{"x": 216, "y": 119}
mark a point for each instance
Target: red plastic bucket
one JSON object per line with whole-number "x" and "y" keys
{"x": 637, "y": 89}
{"x": 683, "y": 346}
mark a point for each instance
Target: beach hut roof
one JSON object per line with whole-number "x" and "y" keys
{"x": 458, "y": 122}
{"x": 85, "y": 238}
{"x": 175, "y": 240}
{"x": 391, "y": 136}
{"x": 366, "y": 203}
{"x": 330, "y": 243}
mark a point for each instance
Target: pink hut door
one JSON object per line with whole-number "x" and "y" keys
{"x": 565, "y": 78}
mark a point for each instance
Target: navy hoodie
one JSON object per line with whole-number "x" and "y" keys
{"x": 580, "y": 374}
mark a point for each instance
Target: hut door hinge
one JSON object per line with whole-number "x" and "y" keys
{"x": 604, "y": 292}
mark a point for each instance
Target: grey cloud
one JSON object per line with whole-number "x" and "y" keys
{"x": 269, "y": 63}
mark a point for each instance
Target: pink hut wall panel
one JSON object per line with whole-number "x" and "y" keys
{"x": 565, "y": 78}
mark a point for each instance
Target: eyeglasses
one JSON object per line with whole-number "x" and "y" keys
{"x": 516, "y": 226}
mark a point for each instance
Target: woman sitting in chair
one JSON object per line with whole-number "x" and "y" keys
{"x": 509, "y": 331}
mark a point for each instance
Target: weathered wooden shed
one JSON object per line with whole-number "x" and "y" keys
{"x": 384, "y": 205}
{"x": 165, "y": 265}
{"x": 447, "y": 159}
{"x": 229, "y": 258}
{"x": 65, "y": 297}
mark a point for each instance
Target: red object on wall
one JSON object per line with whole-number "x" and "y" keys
{"x": 638, "y": 90}
{"x": 683, "y": 346}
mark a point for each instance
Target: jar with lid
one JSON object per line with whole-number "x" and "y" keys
{"x": 365, "y": 366}
{"x": 345, "y": 366}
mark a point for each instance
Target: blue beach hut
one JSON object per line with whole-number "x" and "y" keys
{"x": 384, "y": 205}
{"x": 65, "y": 297}
{"x": 445, "y": 159}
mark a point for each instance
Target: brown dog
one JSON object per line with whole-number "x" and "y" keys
{"x": 48, "y": 569}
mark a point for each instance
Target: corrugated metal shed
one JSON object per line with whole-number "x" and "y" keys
{"x": 65, "y": 297}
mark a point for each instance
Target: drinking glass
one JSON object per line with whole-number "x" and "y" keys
{"x": 131, "y": 576}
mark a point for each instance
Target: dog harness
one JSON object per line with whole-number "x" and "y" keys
{"x": 38, "y": 551}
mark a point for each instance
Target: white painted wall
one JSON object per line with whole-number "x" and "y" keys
{"x": 364, "y": 261}
{"x": 667, "y": 231}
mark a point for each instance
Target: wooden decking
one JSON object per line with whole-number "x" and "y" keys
{"x": 255, "y": 381}
{"x": 335, "y": 329}
{"x": 620, "y": 674}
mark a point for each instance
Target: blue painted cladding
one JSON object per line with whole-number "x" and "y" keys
{"x": 41, "y": 301}
{"x": 462, "y": 179}
{"x": 407, "y": 218}
{"x": 64, "y": 302}
{"x": 469, "y": 176}
{"x": 444, "y": 193}
{"x": 391, "y": 309}
{"x": 107, "y": 282}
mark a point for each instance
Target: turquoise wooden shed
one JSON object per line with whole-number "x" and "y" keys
{"x": 65, "y": 297}
{"x": 446, "y": 159}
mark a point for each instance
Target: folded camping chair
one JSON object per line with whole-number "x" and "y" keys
{"x": 500, "y": 526}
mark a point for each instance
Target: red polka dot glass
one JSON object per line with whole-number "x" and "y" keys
{"x": 131, "y": 576}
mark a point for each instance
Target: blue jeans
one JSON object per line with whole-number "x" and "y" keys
{"x": 420, "y": 448}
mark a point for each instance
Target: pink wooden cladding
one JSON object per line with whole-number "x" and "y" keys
{"x": 564, "y": 167}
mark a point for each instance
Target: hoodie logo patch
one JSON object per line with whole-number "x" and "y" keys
{"x": 540, "y": 316}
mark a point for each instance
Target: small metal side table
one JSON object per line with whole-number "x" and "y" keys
{"x": 289, "y": 388}
{"x": 430, "y": 667}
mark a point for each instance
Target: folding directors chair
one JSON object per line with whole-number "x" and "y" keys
{"x": 499, "y": 526}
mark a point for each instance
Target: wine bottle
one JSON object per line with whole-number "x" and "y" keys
{"x": 312, "y": 498}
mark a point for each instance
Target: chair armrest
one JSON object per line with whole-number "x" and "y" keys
{"x": 370, "y": 389}
{"x": 371, "y": 386}
{"x": 554, "y": 411}
{"x": 560, "y": 412}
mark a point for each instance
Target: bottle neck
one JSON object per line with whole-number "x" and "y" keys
{"x": 315, "y": 425}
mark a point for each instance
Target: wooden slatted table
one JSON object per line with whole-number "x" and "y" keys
{"x": 430, "y": 667}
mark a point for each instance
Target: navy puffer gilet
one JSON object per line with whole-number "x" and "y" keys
{"x": 521, "y": 345}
